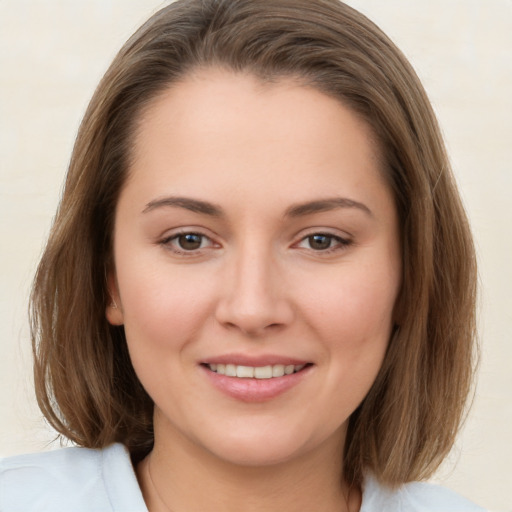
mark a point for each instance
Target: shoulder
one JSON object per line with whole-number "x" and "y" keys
{"x": 77, "y": 479}
{"x": 413, "y": 497}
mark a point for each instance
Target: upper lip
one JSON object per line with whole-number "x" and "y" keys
{"x": 261, "y": 360}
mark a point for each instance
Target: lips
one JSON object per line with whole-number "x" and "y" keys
{"x": 256, "y": 372}
{"x": 255, "y": 379}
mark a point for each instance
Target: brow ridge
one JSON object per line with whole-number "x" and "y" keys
{"x": 194, "y": 205}
{"x": 324, "y": 205}
{"x": 297, "y": 210}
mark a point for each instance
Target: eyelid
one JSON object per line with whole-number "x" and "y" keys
{"x": 170, "y": 236}
{"x": 322, "y": 230}
{"x": 344, "y": 240}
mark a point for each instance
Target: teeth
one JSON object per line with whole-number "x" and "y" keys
{"x": 263, "y": 372}
{"x": 278, "y": 370}
{"x": 245, "y": 371}
{"x": 231, "y": 370}
{"x": 258, "y": 372}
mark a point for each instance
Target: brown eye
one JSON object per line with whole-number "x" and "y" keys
{"x": 320, "y": 242}
{"x": 190, "y": 241}
{"x": 324, "y": 243}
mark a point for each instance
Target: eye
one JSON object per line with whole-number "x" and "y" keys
{"x": 190, "y": 241}
{"x": 323, "y": 242}
{"x": 187, "y": 242}
{"x": 320, "y": 242}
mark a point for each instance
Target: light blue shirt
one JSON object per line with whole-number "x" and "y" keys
{"x": 84, "y": 480}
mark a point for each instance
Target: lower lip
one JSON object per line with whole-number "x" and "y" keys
{"x": 255, "y": 390}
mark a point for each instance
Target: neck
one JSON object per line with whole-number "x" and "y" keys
{"x": 178, "y": 476}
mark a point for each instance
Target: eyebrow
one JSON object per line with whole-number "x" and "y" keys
{"x": 297, "y": 210}
{"x": 194, "y": 205}
{"x": 324, "y": 205}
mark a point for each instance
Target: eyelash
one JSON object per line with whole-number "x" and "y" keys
{"x": 336, "y": 243}
{"x": 168, "y": 243}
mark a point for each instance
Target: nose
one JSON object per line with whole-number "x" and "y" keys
{"x": 254, "y": 297}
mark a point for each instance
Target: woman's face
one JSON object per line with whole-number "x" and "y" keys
{"x": 255, "y": 236}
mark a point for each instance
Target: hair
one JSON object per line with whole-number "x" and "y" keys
{"x": 85, "y": 384}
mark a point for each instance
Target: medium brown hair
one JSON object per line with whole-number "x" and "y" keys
{"x": 85, "y": 383}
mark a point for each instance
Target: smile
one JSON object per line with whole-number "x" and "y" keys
{"x": 255, "y": 372}
{"x": 257, "y": 383}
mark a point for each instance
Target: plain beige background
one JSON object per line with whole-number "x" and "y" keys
{"x": 52, "y": 54}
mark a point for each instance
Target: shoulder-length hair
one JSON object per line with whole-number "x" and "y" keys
{"x": 85, "y": 383}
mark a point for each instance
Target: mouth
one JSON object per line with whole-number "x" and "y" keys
{"x": 255, "y": 383}
{"x": 255, "y": 372}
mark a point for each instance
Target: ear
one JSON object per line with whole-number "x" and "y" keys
{"x": 114, "y": 310}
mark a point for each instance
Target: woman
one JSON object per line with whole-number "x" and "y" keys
{"x": 260, "y": 282}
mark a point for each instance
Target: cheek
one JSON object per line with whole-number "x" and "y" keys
{"x": 353, "y": 315}
{"x": 161, "y": 308}
{"x": 352, "y": 308}
{"x": 355, "y": 319}
{"x": 163, "y": 316}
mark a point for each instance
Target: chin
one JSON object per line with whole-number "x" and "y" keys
{"x": 259, "y": 454}
{"x": 262, "y": 446}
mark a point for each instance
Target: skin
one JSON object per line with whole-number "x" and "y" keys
{"x": 257, "y": 284}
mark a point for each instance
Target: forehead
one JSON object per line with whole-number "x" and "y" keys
{"x": 214, "y": 123}
{"x": 212, "y": 97}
